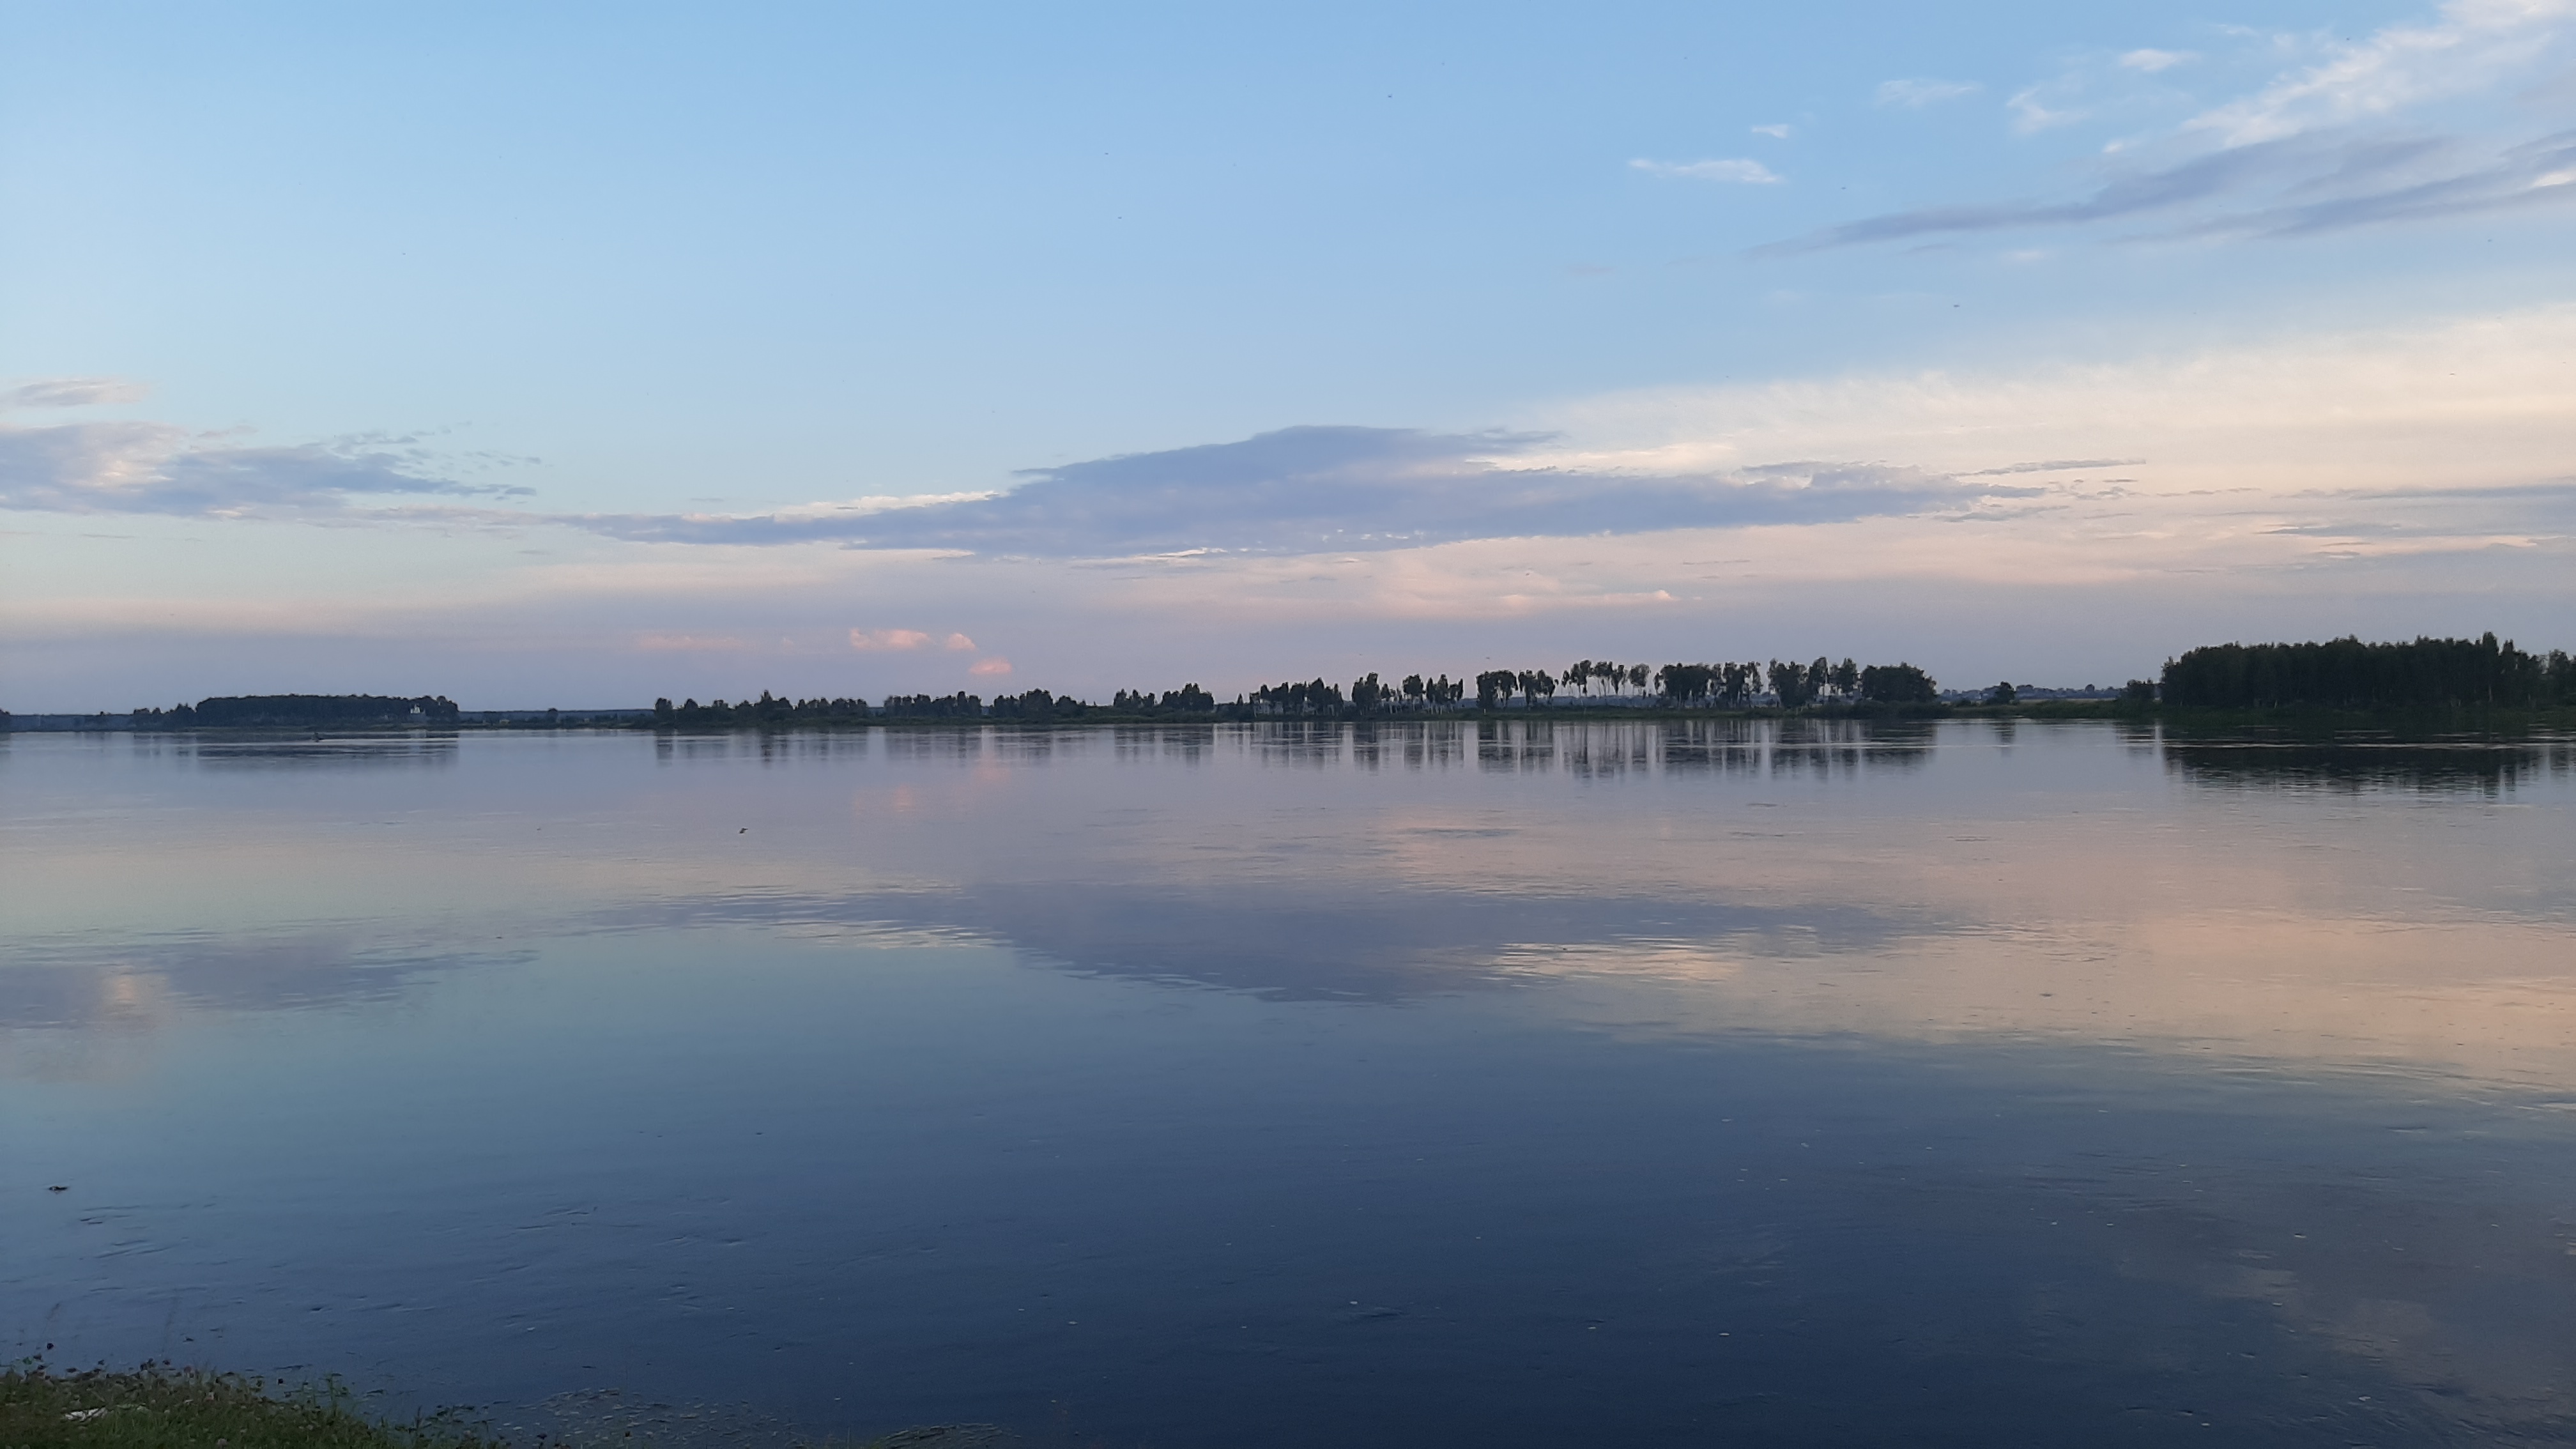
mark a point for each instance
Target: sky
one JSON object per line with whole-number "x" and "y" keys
{"x": 578, "y": 355}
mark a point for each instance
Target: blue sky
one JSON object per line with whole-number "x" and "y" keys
{"x": 582, "y": 356}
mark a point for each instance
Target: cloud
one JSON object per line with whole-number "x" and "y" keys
{"x": 2532, "y": 175}
{"x": 2472, "y": 44}
{"x": 2316, "y": 150}
{"x": 1749, "y": 172}
{"x": 993, "y": 668}
{"x": 903, "y": 640}
{"x": 887, "y": 638}
{"x": 70, "y": 392}
{"x": 2054, "y": 465}
{"x": 2138, "y": 192}
{"x": 1309, "y": 489}
{"x": 1920, "y": 93}
{"x": 2290, "y": 187}
{"x": 2426, "y": 409}
{"x": 2033, "y": 114}
{"x": 1777, "y": 130}
{"x": 2153, "y": 62}
{"x": 2304, "y": 485}
{"x": 146, "y": 467}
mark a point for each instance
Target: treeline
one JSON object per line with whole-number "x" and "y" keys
{"x": 1746, "y": 685}
{"x": 2336, "y": 674}
{"x": 1782, "y": 684}
{"x": 1035, "y": 704}
{"x": 2349, "y": 674}
{"x": 766, "y": 710}
{"x": 300, "y": 711}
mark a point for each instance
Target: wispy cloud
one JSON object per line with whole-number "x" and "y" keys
{"x": 2033, "y": 111}
{"x": 903, "y": 640}
{"x": 2319, "y": 148}
{"x": 2138, "y": 192}
{"x": 1739, "y": 170}
{"x": 156, "y": 468}
{"x": 70, "y": 392}
{"x": 887, "y": 638}
{"x": 1777, "y": 130}
{"x": 994, "y": 668}
{"x": 1311, "y": 489}
{"x": 2290, "y": 187}
{"x": 2154, "y": 62}
{"x": 2472, "y": 44}
{"x": 1920, "y": 92}
{"x": 146, "y": 467}
{"x": 2477, "y": 402}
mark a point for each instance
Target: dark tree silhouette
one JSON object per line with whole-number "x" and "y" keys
{"x": 1897, "y": 684}
{"x": 1686, "y": 683}
{"x": 2348, "y": 674}
{"x": 316, "y": 711}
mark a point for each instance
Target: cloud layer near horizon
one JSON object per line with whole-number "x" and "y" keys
{"x": 1318, "y": 489}
{"x": 2325, "y": 435}
{"x": 1294, "y": 490}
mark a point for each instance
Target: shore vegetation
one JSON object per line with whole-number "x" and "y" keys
{"x": 2347, "y": 674}
{"x": 2220, "y": 682}
{"x": 162, "y": 1407}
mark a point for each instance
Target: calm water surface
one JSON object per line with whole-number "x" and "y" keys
{"x": 1637, "y": 1084}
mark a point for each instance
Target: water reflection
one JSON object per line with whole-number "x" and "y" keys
{"x": 2477, "y": 764}
{"x": 1523, "y": 1081}
{"x": 84, "y": 985}
{"x": 1924, "y": 882}
{"x": 253, "y": 750}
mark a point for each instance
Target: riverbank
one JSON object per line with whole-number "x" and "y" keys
{"x": 158, "y": 1407}
{"x": 161, "y": 1407}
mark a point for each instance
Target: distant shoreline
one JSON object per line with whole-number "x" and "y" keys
{"x": 2306, "y": 718}
{"x": 2311, "y": 684}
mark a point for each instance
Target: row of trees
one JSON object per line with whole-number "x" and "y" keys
{"x": 2338, "y": 674}
{"x": 300, "y": 711}
{"x": 1725, "y": 686}
{"x": 2348, "y": 674}
{"x": 769, "y": 709}
{"x": 1735, "y": 685}
{"x": 1188, "y": 699}
{"x": 1035, "y": 704}
{"x": 1789, "y": 684}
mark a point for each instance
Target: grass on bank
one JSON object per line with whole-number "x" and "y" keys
{"x": 160, "y": 1407}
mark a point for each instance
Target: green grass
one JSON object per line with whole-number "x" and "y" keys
{"x": 159, "y": 1407}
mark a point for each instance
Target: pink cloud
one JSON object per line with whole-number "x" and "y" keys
{"x": 990, "y": 668}
{"x": 887, "y": 638}
{"x": 960, "y": 644}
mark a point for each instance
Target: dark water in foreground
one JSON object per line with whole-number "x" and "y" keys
{"x": 1635, "y": 1084}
